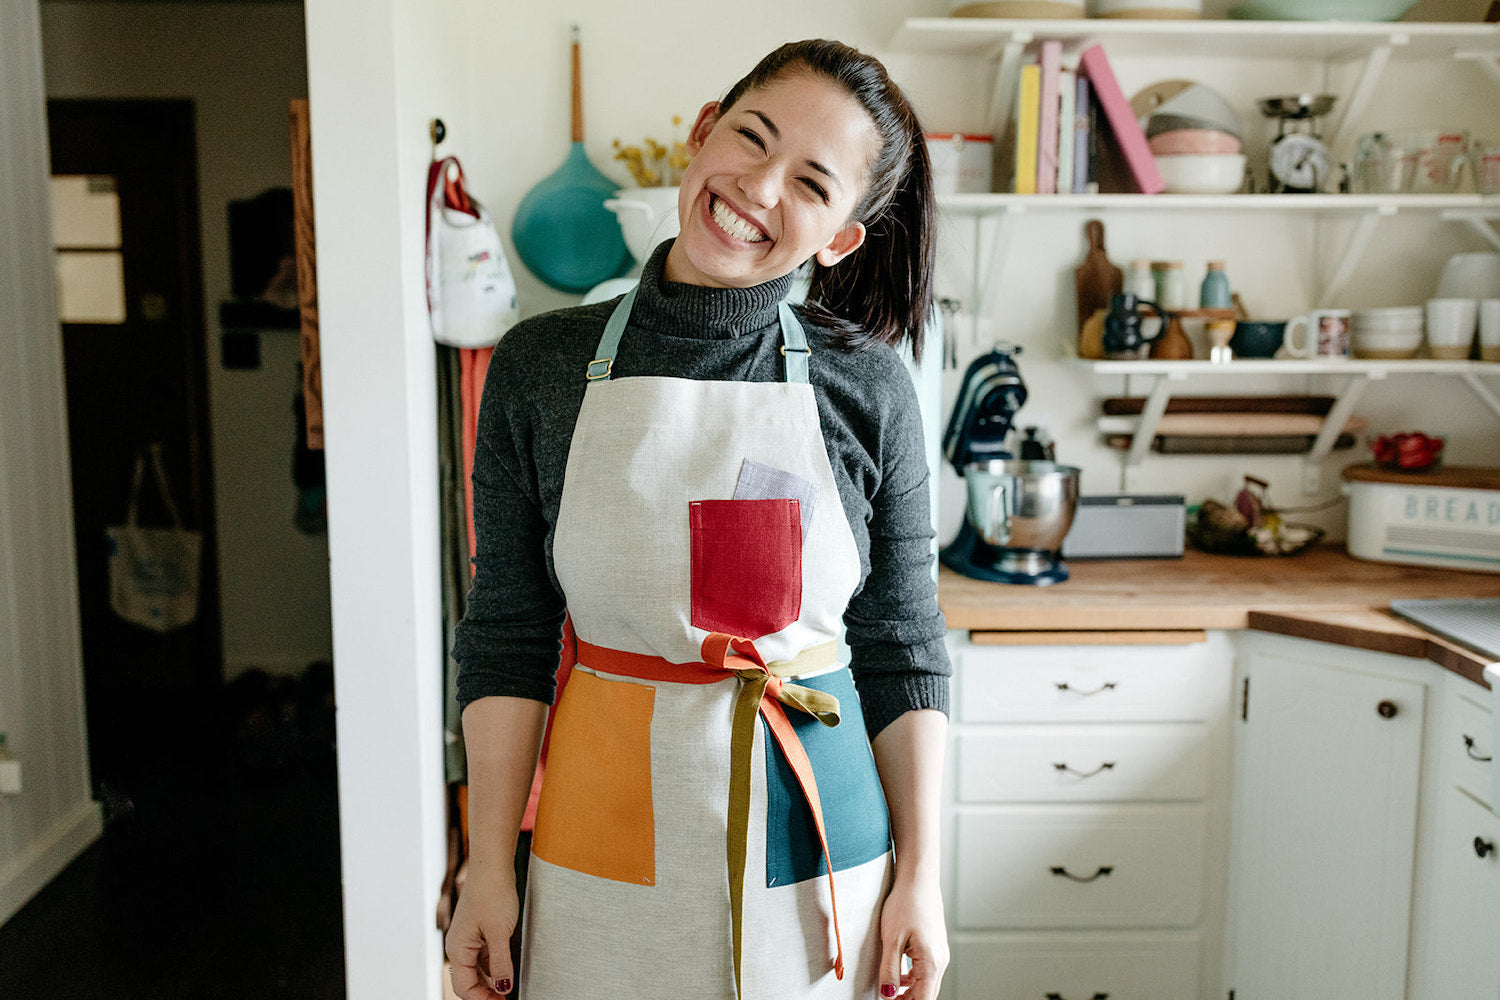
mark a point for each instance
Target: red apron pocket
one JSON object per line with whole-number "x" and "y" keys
{"x": 747, "y": 565}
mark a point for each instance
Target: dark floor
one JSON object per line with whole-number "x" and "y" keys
{"x": 217, "y": 876}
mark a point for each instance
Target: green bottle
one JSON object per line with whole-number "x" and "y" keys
{"x": 1214, "y": 293}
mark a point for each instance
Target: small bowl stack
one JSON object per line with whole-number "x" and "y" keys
{"x": 1391, "y": 334}
{"x": 1194, "y": 135}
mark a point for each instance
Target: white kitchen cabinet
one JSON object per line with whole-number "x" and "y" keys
{"x": 1456, "y": 939}
{"x": 1085, "y": 821}
{"x": 1328, "y": 752}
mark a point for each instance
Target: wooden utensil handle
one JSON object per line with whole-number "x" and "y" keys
{"x": 577, "y": 90}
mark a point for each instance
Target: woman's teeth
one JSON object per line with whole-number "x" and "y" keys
{"x": 733, "y": 224}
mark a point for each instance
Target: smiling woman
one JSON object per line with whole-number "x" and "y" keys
{"x": 729, "y": 811}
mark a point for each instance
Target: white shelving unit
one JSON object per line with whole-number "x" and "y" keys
{"x": 1356, "y": 374}
{"x": 1370, "y": 46}
{"x": 1375, "y": 45}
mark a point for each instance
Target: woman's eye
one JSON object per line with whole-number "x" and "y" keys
{"x": 750, "y": 134}
{"x": 815, "y": 188}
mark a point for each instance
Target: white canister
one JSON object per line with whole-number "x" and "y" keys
{"x": 961, "y": 164}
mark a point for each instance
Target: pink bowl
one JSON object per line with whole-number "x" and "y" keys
{"x": 1193, "y": 141}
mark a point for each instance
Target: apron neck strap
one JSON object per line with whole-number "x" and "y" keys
{"x": 793, "y": 343}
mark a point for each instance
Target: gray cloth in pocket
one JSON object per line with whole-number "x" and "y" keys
{"x": 759, "y": 481}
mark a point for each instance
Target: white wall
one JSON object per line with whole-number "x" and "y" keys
{"x": 240, "y": 63}
{"x": 41, "y": 667}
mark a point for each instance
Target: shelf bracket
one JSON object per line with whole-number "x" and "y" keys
{"x": 1007, "y": 74}
{"x": 1480, "y": 220}
{"x": 1353, "y": 251}
{"x": 1487, "y": 61}
{"x": 1360, "y": 96}
{"x": 984, "y": 278}
{"x": 1151, "y": 413}
{"x": 1483, "y": 392}
{"x": 1333, "y": 426}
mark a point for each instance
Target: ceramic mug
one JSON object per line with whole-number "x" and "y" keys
{"x": 1262, "y": 338}
{"x": 1326, "y": 335}
{"x": 1450, "y": 327}
{"x": 1489, "y": 329}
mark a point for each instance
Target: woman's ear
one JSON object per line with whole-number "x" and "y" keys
{"x": 844, "y": 242}
{"x": 708, "y": 117}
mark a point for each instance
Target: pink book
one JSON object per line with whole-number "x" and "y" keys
{"x": 1127, "y": 131}
{"x": 1049, "y": 59}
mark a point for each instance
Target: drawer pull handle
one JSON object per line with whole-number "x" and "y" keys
{"x": 1106, "y": 686}
{"x": 1103, "y": 870}
{"x": 1469, "y": 749}
{"x": 1107, "y": 765}
{"x": 1386, "y": 710}
{"x": 1059, "y": 996}
{"x": 1483, "y": 848}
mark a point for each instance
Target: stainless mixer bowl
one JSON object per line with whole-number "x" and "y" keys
{"x": 1022, "y": 504}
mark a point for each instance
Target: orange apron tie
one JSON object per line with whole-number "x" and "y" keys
{"x": 723, "y": 654}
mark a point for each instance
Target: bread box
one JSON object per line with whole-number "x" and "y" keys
{"x": 1448, "y": 517}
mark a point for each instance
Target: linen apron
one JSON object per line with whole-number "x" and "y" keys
{"x": 708, "y": 757}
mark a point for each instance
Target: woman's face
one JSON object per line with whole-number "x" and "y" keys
{"x": 773, "y": 181}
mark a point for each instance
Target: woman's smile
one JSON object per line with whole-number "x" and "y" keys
{"x": 733, "y": 223}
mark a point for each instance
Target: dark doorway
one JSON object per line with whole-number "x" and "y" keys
{"x": 136, "y": 375}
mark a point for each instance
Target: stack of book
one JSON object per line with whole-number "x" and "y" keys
{"x": 1075, "y": 131}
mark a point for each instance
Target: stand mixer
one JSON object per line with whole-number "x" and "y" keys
{"x": 1018, "y": 511}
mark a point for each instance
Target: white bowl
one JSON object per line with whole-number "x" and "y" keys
{"x": 1147, "y": 9}
{"x": 1470, "y": 276}
{"x": 1205, "y": 173}
{"x": 647, "y": 216}
{"x": 1387, "y": 344}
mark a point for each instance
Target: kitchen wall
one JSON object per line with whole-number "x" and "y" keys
{"x": 240, "y": 63}
{"x": 41, "y": 667}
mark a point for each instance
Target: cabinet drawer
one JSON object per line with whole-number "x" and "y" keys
{"x": 1463, "y": 962}
{"x": 1470, "y": 737}
{"x": 1079, "y": 866}
{"x": 1076, "y": 967}
{"x": 1086, "y": 684}
{"x": 1083, "y": 763}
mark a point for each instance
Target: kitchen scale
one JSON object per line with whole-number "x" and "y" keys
{"x": 1299, "y": 162}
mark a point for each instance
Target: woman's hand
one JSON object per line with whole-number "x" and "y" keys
{"x": 911, "y": 926}
{"x": 478, "y": 941}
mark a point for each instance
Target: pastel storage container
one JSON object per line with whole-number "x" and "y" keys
{"x": 1448, "y": 517}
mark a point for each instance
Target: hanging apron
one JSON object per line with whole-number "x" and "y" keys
{"x": 708, "y": 763}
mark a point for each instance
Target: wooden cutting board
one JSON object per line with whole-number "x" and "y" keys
{"x": 1096, "y": 278}
{"x": 1234, "y": 424}
{"x": 1462, "y": 477}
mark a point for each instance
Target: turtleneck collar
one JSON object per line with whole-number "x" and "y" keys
{"x": 700, "y": 312}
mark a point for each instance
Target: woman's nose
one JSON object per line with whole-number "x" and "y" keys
{"x": 760, "y": 184}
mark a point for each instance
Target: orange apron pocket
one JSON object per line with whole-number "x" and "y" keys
{"x": 746, "y": 565}
{"x": 595, "y": 815}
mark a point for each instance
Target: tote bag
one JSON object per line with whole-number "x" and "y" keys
{"x": 154, "y": 572}
{"x": 471, "y": 293}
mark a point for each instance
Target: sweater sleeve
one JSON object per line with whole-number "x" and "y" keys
{"x": 509, "y": 640}
{"x": 896, "y": 633}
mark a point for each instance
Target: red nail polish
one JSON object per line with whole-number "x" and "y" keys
{"x": 887, "y": 991}
{"x": 503, "y": 986}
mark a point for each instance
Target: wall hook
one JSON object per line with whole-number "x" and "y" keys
{"x": 438, "y": 131}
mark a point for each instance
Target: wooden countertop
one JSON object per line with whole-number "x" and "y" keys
{"x": 1322, "y": 594}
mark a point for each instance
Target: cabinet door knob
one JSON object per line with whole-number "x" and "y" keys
{"x": 1469, "y": 749}
{"x": 1106, "y": 686}
{"x": 1103, "y": 870}
{"x": 1483, "y": 848}
{"x": 1107, "y": 765}
{"x": 1387, "y": 709}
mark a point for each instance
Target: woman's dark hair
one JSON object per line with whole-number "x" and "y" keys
{"x": 882, "y": 292}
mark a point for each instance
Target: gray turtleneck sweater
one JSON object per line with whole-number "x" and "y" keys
{"x": 509, "y": 640}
